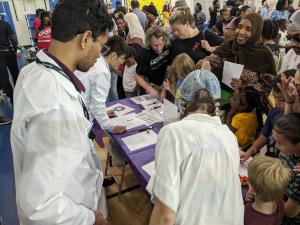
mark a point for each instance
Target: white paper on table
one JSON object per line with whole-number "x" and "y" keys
{"x": 231, "y": 70}
{"x": 243, "y": 171}
{"x": 149, "y": 168}
{"x": 120, "y": 109}
{"x": 129, "y": 121}
{"x": 149, "y": 118}
{"x": 140, "y": 140}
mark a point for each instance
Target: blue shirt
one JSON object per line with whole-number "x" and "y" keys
{"x": 142, "y": 17}
{"x": 273, "y": 116}
{"x": 279, "y": 15}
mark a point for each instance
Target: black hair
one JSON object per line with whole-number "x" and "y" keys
{"x": 43, "y": 15}
{"x": 280, "y": 5}
{"x": 270, "y": 30}
{"x": 131, "y": 53}
{"x": 115, "y": 44}
{"x": 289, "y": 126}
{"x": 252, "y": 98}
{"x": 215, "y": 2}
{"x": 263, "y": 1}
{"x": 222, "y": 11}
{"x": 234, "y": 11}
{"x": 38, "y": 12}
{"x": 237, "y": 21}
{"x": 230, "y": 3}
{"x": 282, "y": 23}
{"x": 165, "y": 8}
{"x": 73, "y": 17}
{"x": 134, "y": 4}
{"x": 199, "y": 6}
{"x": 277, "y": 80}
{"x": 245, "y": 7}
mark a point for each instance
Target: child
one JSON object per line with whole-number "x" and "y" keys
{"x": 180, "y": 68}
{"x": 266, "y": 134}
{"x": 129, "y": 82}
{"x": 268, "y": 178}
{"x": 286, "y": 132}
{"x": 223, "y": 22}
{"x": 165, "y": 15}
{"x": 242, "y": 119}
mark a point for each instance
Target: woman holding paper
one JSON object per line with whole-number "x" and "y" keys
{"x": 196, "y": 162}
{"x": 247, "y": 49}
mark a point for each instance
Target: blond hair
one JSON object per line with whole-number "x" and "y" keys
{"x": 181, "y": 16}
{"x": 269, "y": 178}
{"x": 182, "y": 65}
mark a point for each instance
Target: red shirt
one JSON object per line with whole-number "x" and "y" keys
{"x": 253, "y": 217}
{"x": 44, "y": 38}
{"x": 36, "y": 25}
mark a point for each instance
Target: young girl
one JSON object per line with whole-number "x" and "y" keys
{"x": 242, "y": 119}
{"x": 180, "y": 68}
{"x": 129, "y": 82}
{"x": 44, "y": 36}
{"x": 286, "y": 132}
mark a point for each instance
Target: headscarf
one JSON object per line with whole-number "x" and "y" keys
{"x": 134, "y": 26}
{"x": 254, "y": 55}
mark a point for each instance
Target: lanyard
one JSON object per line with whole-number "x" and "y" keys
{"x": 61, "y": 72}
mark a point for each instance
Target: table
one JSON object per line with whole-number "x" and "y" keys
{"x": 141, "y": 157}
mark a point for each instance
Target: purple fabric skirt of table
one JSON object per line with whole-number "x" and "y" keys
{"x": 141, "y": 157}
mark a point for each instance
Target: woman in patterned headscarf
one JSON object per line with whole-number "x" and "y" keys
{"x": 247, "y": 48}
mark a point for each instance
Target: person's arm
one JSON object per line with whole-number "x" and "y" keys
{"x": 145, "y": 85}
{"x": 256, "y": 146}
{"x": 291, "y": 208}
{"x": 213, "y": 39}
{"x": 12, "y": 37}
{"x": 230, "y": 115}
{"x": 162, "y": 215}
{"x": 100, "y": 85}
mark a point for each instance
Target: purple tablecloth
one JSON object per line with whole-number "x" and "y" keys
{"x": 141, "y": 157}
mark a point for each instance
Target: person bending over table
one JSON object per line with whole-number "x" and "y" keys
{"x": 153, "y": 60}
{"x": 97, "y": 82}
{"x": 200, "y": 183}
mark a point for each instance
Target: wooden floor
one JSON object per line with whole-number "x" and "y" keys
{"x": 134, "y": 207}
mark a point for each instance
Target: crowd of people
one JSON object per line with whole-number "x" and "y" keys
{"x": 91, "y": 54}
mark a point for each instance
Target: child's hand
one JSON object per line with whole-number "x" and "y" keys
{"x": 111, "y": 113}
{"x": 166, "y": 85}
{"x": 287, "y": 89}
{"x": 206, "y": 65}
{"x": 297, "y": 168}
{"x": 236, "y": 83}
{"x": 244, "y": 156}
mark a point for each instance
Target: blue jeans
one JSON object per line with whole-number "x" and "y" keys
{"x": 113, "y": 93}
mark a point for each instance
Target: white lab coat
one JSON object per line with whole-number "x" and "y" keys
{"x": 57, "y": 173}
{"x": 196, "y": 172}
{"x": 97, "y": 84}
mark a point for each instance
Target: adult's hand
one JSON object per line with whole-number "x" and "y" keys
{"x": 244, "y": 156}
{"x": 118, "y": 129}
{"x": 153, "y": 93}
{"x": 99, "y": 219}
{"x": 236, "y": 83}
{"x": 206, "y": 46}
{"x": 287, "y": 88}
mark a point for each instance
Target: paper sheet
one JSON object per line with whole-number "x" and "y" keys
{"x": 149, "y": 118}
{"x": 243, "y": 171}
{"x": 149, "y": 168}
{"x": 140, "y": 140}
{"x": 120, "y": 109}
{"x": 129, "y": 121}
{"x": 231, "y": 70}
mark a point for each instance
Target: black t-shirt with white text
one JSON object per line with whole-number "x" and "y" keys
{"x": 153, "y": 66}
{"x": 192, "y": 46}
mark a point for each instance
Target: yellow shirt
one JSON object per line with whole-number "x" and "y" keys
{"x": 165, "y": 17}
{"x": 246, "y": 125}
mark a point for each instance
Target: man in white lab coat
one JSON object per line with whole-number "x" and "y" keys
{"x": 97, "y": 82}
{"x": 57, "y": 173}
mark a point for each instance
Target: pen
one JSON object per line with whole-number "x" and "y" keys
{"x": 156, "y": 107}
{"x": 151, "y": 103}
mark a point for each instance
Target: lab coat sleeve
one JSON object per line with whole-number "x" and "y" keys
{"x": 54, "y": 169}
{"x": 164, "y": 185}
{"x": 100, "y": 84}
